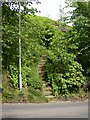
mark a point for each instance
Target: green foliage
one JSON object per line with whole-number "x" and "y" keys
{"x": 35, "y": 95}
{"x": 64, "y": 74}
{"x": 80, "y": 33}
{"x": 83, "y": 22}
{"x": 13, "y": 76}
{"x": 8, "y": 95}
{"x": 31, "y": 52}
{"x": 31, "y": 77}
{"x": 9, "y": 37}
{"x": 42, "y": 36}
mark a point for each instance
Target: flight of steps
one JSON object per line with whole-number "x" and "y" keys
{"x": 46, "y": 88}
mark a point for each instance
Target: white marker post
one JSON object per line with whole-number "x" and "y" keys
{"x": 20, "y": 75}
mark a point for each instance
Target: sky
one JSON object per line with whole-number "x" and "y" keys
{"x": 50, "y": 8}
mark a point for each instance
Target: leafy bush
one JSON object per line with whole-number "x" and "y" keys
{"x": 13, "y": 76}
{"x": 64, "y": 74}
{"x": 36, "y": 95}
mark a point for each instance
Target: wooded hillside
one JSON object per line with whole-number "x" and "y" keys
{"x": 67, "y": 50}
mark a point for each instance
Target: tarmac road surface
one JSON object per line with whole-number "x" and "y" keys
{"x": 46, "y": 110}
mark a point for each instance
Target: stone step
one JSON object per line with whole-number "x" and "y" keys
{"x": 41, "y": 69}
{"x": 44, "y": 84}
{"x": 41, "y": 65}
{"x": 41, "y": 72}
{"x": 47, "y": 88}
{"x": 50, "y": 96}
{"x": 43, "y": 60}
{"x": 43, "y": 57}
{"x": 47, "y": 93}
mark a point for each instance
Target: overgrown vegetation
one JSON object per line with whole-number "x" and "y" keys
{"x": 67, "y": 50}
{"x": 63, "y": 72}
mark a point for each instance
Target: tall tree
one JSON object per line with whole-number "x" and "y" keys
{"x": 81, "y": 25}
{"x": 10, "y": 28}
{"x": 80, "y": 33}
